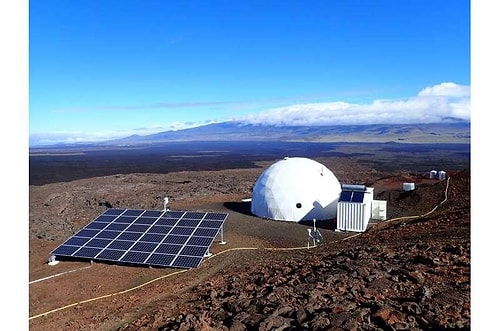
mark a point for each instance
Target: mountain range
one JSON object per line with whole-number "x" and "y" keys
{"x": 450, "y": 132}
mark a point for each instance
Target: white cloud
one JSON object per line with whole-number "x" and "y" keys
{"x": 446, "y": 90}
{"x": 432, "y": 104}
{"x": 72, "y": 137}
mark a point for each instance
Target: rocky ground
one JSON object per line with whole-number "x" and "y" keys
{"x": 410, "y": 273}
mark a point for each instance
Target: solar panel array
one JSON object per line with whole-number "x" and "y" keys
{"x": 351, "y": 196}
{"x": 146, "y": 237}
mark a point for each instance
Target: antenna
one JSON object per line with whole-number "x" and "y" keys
{"x": 310, "y": 237}
{"x": 165, "y": 203}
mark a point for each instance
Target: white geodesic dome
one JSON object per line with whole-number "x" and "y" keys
{"x": 296, "y": 189}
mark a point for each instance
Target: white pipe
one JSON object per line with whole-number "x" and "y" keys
{"x": 62, "y": 273}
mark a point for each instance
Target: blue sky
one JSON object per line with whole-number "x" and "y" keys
{"x": 106, "y": 69}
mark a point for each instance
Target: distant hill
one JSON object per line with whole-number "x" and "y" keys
{"x": 455, "y": 132}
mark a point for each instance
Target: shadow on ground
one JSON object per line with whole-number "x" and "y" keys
{"x": 244, "y": 207}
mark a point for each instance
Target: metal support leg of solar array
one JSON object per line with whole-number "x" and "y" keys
{"x": 207, "y": 253}
{"x": 221, "y": 232}
{"x": 52, "y": 260}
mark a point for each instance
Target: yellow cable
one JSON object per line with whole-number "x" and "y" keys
{"x": 158, "y": 278}
{"x": 222, "y": 252}
{"x": 107, "y": 295}
{"x": 429, "y": 212}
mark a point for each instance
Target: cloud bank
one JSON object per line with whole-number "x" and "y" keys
{"x": 432, "y": 104}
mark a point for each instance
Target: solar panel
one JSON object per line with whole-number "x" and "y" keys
{"x": 120, "y": 244}
{"x": 193, "y": 215}
{"x": 351, "y": 196}
{"x": 113, "y": 211}
{"x": 345, "y": 196}
{"x": 110, "y": 254}
{"x": 99, "y": 243}
{"x": 187, "y": 261}
{"x": 160, "y": 259}
{"x": 167, "y": 221}
{"x": 357, "y": 196}
{"x": 105, "y": 218}
{"x": 76, "y": 241}
{"x": 177, "y": 239}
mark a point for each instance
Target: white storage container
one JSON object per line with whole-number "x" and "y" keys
{"x": 408, "y": 186}
{"x": 379, "y": 210}
{"x": 352, "y": 216}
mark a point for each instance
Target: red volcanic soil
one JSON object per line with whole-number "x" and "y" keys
{"x": 408, "y": 273}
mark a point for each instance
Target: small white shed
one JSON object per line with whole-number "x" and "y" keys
{"x": 408, "y": 186}
{"x": 442, "y": 175}
{"x": 356, "y": 207}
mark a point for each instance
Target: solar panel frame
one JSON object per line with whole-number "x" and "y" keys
{"x": 177, "y": 239}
